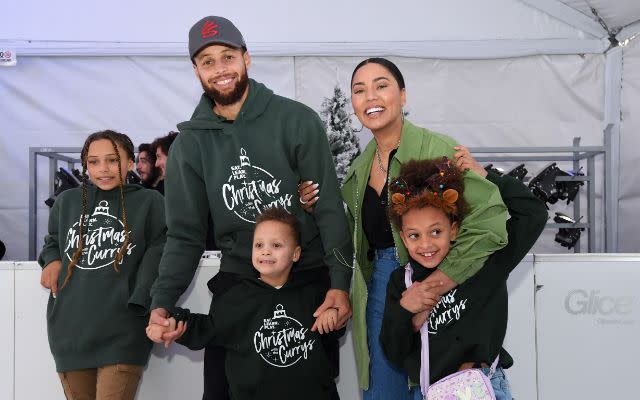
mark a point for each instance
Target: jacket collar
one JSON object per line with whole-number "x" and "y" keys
{"x": 410, "y": 143}
{"x": 255, "y": 105}
{"x": 410, "y": 148}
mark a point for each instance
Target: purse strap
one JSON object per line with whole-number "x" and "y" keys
{"x": 424, "y": 336}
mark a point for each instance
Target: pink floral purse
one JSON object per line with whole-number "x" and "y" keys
{"x": 469, "y": 384}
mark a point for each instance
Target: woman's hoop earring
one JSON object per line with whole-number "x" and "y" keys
{"x": 361, "y": 124}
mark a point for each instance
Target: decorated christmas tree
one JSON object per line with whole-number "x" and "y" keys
{"x": 344, "y": 143}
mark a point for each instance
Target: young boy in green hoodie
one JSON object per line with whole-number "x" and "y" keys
{"x": 265, "y": 322}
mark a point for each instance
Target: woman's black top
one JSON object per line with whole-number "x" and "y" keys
{"x": 375, "y": 221}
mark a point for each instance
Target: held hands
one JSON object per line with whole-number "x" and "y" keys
{"x": 465, "y": 161}
{"x": 335, "y": 299}
{"x": 420, "y": 297}
{"x": 155, "y": 331}
{"x": 307, "y": 192}
{"x": 160, "y": 317}
{"x": 327, "y": 321}
{"x": 49, "y": 276}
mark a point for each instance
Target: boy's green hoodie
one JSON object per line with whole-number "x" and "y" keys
{"x": 237, "y": 168}
{"x": 99, "y": 317}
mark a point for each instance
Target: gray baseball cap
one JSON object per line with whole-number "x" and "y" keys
{"x": 214, "y": 30}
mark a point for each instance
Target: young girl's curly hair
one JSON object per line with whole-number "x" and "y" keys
{"x": 427, "y": 183}
{"x": 126, "y": 144}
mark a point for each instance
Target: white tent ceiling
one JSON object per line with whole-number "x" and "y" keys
{"x": 616, "y": 14}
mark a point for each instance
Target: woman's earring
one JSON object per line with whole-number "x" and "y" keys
{"x": 361, "y": 124}
{"x": 452, "y": 242}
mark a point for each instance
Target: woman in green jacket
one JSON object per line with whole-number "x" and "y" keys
{"x": 378, "y": 96}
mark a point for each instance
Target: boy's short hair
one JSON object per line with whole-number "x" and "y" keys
{"x": 281, "y": 215}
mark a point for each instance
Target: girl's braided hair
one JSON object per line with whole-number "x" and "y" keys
{"x": 126, "y": 144}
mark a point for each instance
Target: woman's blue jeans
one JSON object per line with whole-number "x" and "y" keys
{"x": 386, "y": 382}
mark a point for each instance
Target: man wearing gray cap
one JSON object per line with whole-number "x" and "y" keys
{"x": 243, "y": 150}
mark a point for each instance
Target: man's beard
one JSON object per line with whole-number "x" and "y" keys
{"x": 232, "y": 97}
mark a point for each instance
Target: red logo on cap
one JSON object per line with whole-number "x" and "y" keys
{"x": 209, "y": 29}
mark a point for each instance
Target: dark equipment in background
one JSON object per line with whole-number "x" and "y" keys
{"x": 567, "y": 237}
{"x": 548, "y": 188}
{"x": 543, "y": 185}
{"x": 3, "y": 249}
{"x": 496, "y": 170}
{"x": 64, "y": 180}
{"x": 550, "y": 185}
{"x": 567, "y": 190}
{"x": 519, "y": 172}
{"x": 77, "y": 174}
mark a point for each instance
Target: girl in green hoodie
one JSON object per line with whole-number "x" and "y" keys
{"x": 99, "y": 259}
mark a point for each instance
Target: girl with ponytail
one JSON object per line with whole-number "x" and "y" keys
{"x": 99, "y": 259}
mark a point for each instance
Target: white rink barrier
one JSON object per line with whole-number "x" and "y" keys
{"x": 575, "y": 337}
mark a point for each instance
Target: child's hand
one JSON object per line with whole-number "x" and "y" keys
{"x": 155, "y": 331}
{"x": 419, "y": 297}
{"x": 327, "y": 321}
{"x": 419, "y": 319}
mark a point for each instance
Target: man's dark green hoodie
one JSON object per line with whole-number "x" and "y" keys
{"x": 99, "y": 317}
{"x": 238, "y": 168}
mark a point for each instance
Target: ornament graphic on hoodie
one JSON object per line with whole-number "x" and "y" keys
{"x": 250, "y": 189}
{"x": 103, "y": 237}
{"x": 282, "y": 341}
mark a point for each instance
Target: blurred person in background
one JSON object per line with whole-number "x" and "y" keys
{"x": 146, "y": 166}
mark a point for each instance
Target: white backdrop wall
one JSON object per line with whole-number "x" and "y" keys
{"x": 629, "y": 204}
{"x": 57, "y": 101}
